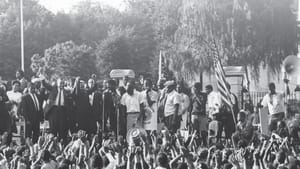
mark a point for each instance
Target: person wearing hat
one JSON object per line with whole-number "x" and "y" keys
{"x": 171, "y": 109}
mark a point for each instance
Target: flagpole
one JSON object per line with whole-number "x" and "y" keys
{"x": 22, "y": 36}
{"x": 159, "y": 65}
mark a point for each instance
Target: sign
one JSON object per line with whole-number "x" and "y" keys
{"x": 120, "y": 73}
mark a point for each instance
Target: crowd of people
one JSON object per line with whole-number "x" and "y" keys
{"x": 141, "y": 126}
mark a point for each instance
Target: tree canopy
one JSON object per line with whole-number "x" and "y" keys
{"x": 99, "y": 38}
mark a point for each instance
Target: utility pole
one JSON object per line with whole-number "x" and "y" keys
{"x": 22, "y": 36}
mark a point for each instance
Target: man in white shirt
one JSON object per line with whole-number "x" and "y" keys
{"x": 171, "y": 109}
{"x": 275, "y": 103}
{"x": 132, "y": 101}
{"x": 213, "y": 101}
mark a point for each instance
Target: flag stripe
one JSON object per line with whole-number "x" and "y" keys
{"x": 221, "y": 80}
{"x": 163, "y": 69}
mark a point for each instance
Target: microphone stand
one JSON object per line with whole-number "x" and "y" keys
{"x": 103, "y": 115}
{"x": 116, "y": 105}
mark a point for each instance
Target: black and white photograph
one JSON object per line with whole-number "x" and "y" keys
{"x": 149, "y": 84}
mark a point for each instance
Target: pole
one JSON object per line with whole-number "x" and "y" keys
{"x": 118, "y": 121}
{"x": 160, "y": 66}
{"x": 22, "y": 36}
{"x": 103, "y": 115}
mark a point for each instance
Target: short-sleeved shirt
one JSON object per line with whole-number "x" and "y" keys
{"x": 14, "y": 96}
{"x": 173, "y": 99}
{"x": 274, "y": 102}
{"x": 132, "y": 103}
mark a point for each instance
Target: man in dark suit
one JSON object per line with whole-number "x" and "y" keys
{"x": 83, "y": 109}
{"x": 56, "y": 108}
{"x": 31, "y": 109}
{"x": 95, "y": 99}
{"x": 111, "y": 101}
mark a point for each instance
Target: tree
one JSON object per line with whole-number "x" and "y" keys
{"x": 65, "y": 60}
{"x": 116, "y": 52}
{"x": 36, "y": 21}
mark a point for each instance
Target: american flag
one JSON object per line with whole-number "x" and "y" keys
{"x": 221, "y": 80}
{"x": 163, "y": 68}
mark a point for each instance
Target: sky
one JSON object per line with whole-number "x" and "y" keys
{"x": 66, "y": 5}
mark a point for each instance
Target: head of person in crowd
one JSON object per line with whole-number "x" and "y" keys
{"x": 161, "y": 83}
{"x": 19, "y": 74}
{"x": 280, "y": 157}
{"x": 208, "y": 89}
{"x": 197, "y": 88}
{"x": 272, "y": 88}
{"x": 111, "y": 85}
{"x": 31, "y": 87}
{"x": 122, "y": 90}
{"x": 130, "y": 88}
{"x": 163, "y": 161}
{"x": 148, "y": 84}
{"x": 105, "y": 84}
{"x": 81, "y": 84}
{"x": 125, "y": 80}
{"x": 96, "y": 162}
{"x": 91, "y": 83}
{"x": 170, "y": 85}
{"x": 180, "y": 87}
{"x": 46, "y": 156}
{"x": 241, "y": 117}
{"x": 16, "y": 85}
{"x": 60, "y": 83}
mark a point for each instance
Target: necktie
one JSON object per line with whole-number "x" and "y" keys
{"x": 36, "y": 102}
{"x": 59, "y": 98}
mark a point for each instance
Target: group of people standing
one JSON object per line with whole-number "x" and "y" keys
{"x": 74, "y": 105}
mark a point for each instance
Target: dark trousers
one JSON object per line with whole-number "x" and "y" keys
{"x": 32, "y": 130}
{"x": 226, "y": 124}
{"x": 275, "y": 118}
{"x": 172, "y": 123}
{"x": 58, "y": 122}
